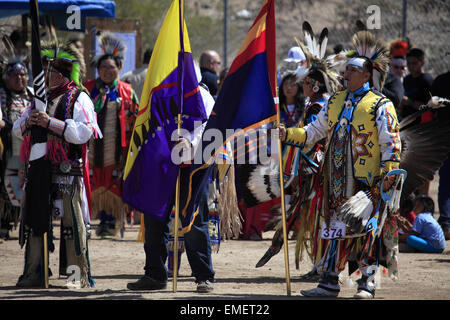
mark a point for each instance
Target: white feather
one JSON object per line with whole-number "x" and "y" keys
{"x": 356, "y": 211}
{"x": 323, "y": 47}
{"x": 264, "y": 182}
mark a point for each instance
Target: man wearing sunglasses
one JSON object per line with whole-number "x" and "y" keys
{"x": 393, "y": 86}
{"x": 210, "y": 65}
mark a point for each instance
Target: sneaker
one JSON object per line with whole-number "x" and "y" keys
{"x": 204, "y": 286}
{"x": 147, "y": 283}
{"x": 366, "y": 289}
{"x": 364, "y": 294}
{"x": 319, "y": 293}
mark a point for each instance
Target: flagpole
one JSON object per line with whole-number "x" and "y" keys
{"x": 283, "y": 208}
{"x": 180, "y": 111}
{"x": 40, "y": 103}
{"x": 283, "y": 205}
{"x": 45, "y": 261}
{"x": 273, "y": 80}
{"x": 177, "y": 211}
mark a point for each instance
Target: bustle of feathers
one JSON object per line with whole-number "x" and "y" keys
{"x": 110, "y": 44}
{"x": 258, "y": 183}
{"x": 315, "y": 51}
{"x": 425, "y": 146}
{"x": 366, "y": 45}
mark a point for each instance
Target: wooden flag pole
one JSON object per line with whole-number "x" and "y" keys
{"x": 283, "y": 208}
{"x": 45, "y": 261}
{"x": 180, "y": 111}
{"x": 177, "y": 212}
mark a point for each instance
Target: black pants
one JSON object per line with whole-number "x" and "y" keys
{"x": 197, "y": 242}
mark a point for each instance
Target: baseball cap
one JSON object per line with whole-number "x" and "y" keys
{"x": 295, "y": 54}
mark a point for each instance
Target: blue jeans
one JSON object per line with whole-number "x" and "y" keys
{"x": 421, "y": 244}
{"x": 444, "y": 195}
{"x": 197, "y": 242}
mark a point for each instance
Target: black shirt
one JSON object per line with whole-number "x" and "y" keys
{"x": 417, "y": 89}
{"x": 393, "y": 89}
{"x": 210, "y": 79}
{"x": 441, "y": 86}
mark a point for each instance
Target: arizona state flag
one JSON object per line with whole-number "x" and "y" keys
{"x": 150, "y": 175}
{"x": 246, "y": 99}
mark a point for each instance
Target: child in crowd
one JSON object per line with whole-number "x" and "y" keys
{"x": 426, "y": 234}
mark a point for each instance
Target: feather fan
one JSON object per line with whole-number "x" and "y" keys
{"x": 356, "y": 211}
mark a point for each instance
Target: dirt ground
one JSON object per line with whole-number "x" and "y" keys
{"x": 121, "y": 260}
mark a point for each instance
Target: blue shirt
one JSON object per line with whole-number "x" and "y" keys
{"x": 429, "y": 229}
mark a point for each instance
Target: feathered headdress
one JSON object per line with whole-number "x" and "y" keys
{"x": 315, "y": 51}
{"x": 52, "y": 51}
{"x": 110, "y": 45}
{"x": 366, "y": 45}
{"x": 9, "y": 58}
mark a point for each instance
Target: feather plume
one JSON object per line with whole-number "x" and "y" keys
{"x": 315, "y": 51}
{"x": 360, "y": 26}
{"x": 309, "y": 38}
{"x": 110, "y": 44}
{"x": 9, "y": 55}
{"x": 366, "y": 45}
{"x": 52, "y": 50}
{"x": 337, "y": 62}
{"x": 323, "y": 41}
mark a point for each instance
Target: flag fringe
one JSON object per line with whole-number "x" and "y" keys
{"x": 230, "y": 215}
{"x": 103, "y": 199}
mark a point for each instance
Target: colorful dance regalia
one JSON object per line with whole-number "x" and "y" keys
{"x": 72, "y": 123}
{"x": 363, "y": 144}
{"x": 302, "y": 166}
{"x": 116, "y": 106}
{"x": 309, "y": 193}
{"x": 12, "y": 178}
{"x": 15, "y": 97}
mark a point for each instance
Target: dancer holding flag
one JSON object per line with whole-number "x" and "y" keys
{"x": 151, "y": 172}
{"x": 245, "y": 103}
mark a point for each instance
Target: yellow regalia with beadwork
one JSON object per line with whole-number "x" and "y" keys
{"x": 363, "y": 144}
